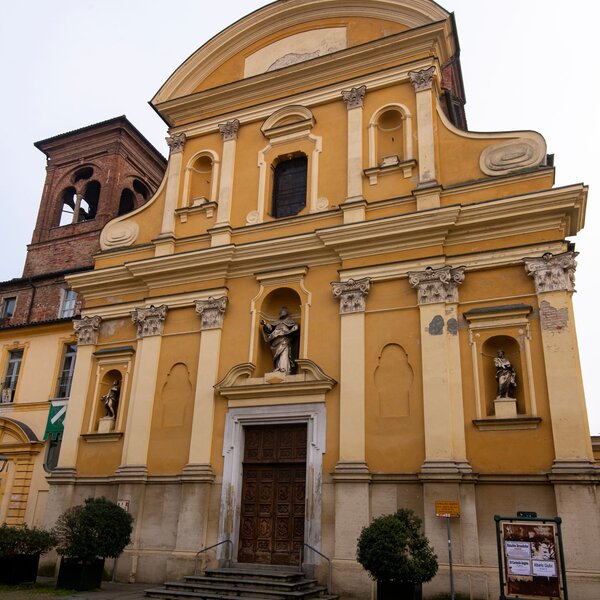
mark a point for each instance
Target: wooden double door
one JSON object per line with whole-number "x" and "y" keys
{"x": 273, "y": 494}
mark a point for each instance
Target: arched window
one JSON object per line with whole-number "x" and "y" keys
{"x": 127, "y": 202}
{"x": 141, "y": 190}
{"x": 289, "y": 186}
{"x": 80, "y": 201}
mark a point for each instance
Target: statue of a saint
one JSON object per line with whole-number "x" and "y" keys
{"x": 282, "y": 336}
{"x": 111, "y": 398}
{"x": 505, "y": 376}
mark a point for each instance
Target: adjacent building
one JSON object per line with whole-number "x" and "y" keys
{"x": 92, "y": 175}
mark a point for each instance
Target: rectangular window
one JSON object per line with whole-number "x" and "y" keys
{"x": 67, "y": 308}
{"x": 66, "y": 371}
{"x": 8, "y": 309}
{"x": 9, "y": 385}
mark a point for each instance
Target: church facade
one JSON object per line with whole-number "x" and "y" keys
{"x": 338, "y": 303}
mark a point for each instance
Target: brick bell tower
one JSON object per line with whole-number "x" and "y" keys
{"x": 93, "y": 175}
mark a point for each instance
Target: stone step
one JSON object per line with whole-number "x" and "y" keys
{"x": 255, "y": 590}
{"x": 257, "y": 572}
{"x": 231, "y": 580}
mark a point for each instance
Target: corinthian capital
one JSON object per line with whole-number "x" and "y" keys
{"x": 86, "y": 330}
{"x": 176, "y": 142}
{"x": 422, "y": 80}
{"x": 149, "y": 321}
{"x": 211, "y": 311}
{"x": 352, "y": 294}
{"x": 229, "y": 130}
{"x": 553, "y": 272}
{"x": 354, "y": 97}
{"x": 437, "y": 285}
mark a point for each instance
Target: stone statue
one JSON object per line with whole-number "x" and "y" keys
{"x": 111, "y": 399}
{"x": 505, "y": 376}
{"x": 282, "y": 337}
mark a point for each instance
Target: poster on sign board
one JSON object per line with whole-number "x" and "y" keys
{"x": 530, "y": 555}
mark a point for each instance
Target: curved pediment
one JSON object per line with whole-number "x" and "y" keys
{"x": 285, "y": 33}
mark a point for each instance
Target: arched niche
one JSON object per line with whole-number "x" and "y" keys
{"x": 269, "y": 311}
{"x": 109, "y": 400}
{"x": 390, "y": 141}
{"x": 394, "y": 378}
{"x": 201, "y": 177}
{"x": 512, "y": 351}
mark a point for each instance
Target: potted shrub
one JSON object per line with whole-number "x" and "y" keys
{"x": 397, "y": 555}
{"x": 87, "y": 534}
{"x": 20, "y": 549}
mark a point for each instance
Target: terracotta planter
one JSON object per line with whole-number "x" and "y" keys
{"x": 76, "y": 574}
{"x": 20, "y": 568}
{"x": 391, "y": 590}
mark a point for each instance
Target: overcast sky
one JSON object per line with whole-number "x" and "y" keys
{"x": 527, "y": 64}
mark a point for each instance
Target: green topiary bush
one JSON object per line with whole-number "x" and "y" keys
{"x": 27, "y": 541}
{"x": 97, "y": 529}
{"x": 393, "y": 549}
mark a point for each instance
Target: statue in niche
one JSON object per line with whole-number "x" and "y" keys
{"x": 111, "y": 399}
{"x": 282, "y": 337}
{"x": 505, "y": 376}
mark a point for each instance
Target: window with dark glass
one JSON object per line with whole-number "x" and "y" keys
{"x": 11, "y": 377}
{"x": 289, "y": 187}
{"x": 52, "y": 452}
{"x": 66, "y": 371}
{"x": 8, "y": 309}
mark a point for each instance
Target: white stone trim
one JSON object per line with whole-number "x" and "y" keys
{"x": 314, "y": 415}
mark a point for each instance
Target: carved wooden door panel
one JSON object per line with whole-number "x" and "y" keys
{"x": 273, "y": 495}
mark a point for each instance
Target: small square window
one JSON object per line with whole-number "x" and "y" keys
{"x": 67, "y": 307}
{"x": 8, "y": 310}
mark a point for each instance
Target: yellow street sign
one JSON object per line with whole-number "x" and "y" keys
{"x": 447, "y": 508}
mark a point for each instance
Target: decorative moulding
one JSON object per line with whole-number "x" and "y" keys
{"x": 86, "y": 330}
{"x": 206, "y": 207}
{"x": 176, "y": 142}
{"x": 495, "y": 424}
{"x": 286, "y": 120}
{"x": 354, "y": 97}
{"x": 437, "y": 285}
{"x": 211, "y": 312}
{"x": 239, "y": 384}
{"x": 513, "y": 155}
{"x": 422, "y": 80}
{"x": 94, "y": 438}
{"x": 389, "y": 165}
{"x": 553, "y": 272}
{"x": 150, "y": 321}
{"x": 352, "y": 294}
{"x": 229, "y": 130}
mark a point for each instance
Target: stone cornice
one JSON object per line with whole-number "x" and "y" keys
{"x": 239, "y": 384}
{"x": 560, "y": 211}
{"x": 339, "y": 67}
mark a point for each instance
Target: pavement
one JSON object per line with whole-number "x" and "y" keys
{"x": 109, "y": 591}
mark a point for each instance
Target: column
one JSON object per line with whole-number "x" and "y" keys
{"x": 62, "y": 479}
{"x": 221, "y": 233}
{"x": 176, "y": 144}
{"x": 86, "y": 330}
{"x": 211, "y": 313}
{"x": 351, "y": 475}
{"x": 150, "y": 323}
{"x": 422, "y": 82}
{"x": 445, "y": 447}
{"x": 198, "y": 475}
{"x": 554, "y": 277}
{"x": 354, "y": 205}
{"x": 573, "y": 474}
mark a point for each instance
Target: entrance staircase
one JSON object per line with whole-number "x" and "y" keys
{"x": 250, "y": 582}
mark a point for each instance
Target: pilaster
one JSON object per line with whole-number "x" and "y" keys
{"x": 150, "y": 323}
{"x": 176, "y": 143}
{"x": 554, "y": 277}
{"x": 445, "y": 447}
{"x": 422, "y": 82}
{"x": 86, "y": 330}
{"x": 353, "y": 99}
{"x": 229, "y": 133}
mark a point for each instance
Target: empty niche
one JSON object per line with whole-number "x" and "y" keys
{"x": 389, "y": 136}
{"x": 270, "y": 312}
{"x": 490, "y": 348}
{"x": 177, "y": 397}
{"x": 393, "y": 381}
{"x": 201, "y": 180}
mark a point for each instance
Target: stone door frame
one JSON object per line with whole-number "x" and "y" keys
{"x": 314, "y": 415}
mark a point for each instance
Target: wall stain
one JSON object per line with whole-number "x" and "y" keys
{"x": 452, "y": 326}
{"x": 436, "y": 327}
{"x": 553, "y": 319}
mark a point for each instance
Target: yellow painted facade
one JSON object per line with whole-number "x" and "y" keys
{"x": 443, "y": 246}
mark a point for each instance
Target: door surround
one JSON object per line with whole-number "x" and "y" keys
{"x": 314, "y": 415}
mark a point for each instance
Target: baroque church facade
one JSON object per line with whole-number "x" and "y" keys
{"x": 338, "y": 302}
